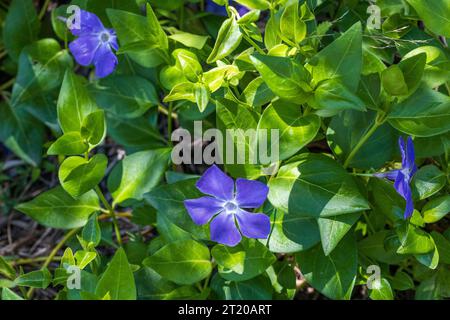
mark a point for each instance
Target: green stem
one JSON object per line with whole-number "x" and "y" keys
{"x": 170, "y": 123}
{"x": 253, "y": 43}
{"x": 371, "y": 228}
{"x": 7, "y": 84}
{"x": 111, "y": 213}
{"x": 52, "y": 254}
{"x": 44, "y": 9}
{"x": 33, "y": 260}
{"x": 377, "y": 123}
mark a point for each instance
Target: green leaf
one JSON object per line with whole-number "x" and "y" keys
{"x": 227, "y": 41}
{"x": 74, "y": 103}
{"x": 334, "y": 275}
{"x": 41, "y": 68}
{"x": 137, "y": 174}
{"x": 436, "y": 209}
{"x": 443, "y": 247}
{"x": 256, "y": 258}
{"x": 331, "y": 97}
{"x": 424, "y": 114}
{"x": 78, "y": 175}
{"x": 393, "y": 81}
{"x": 436, "y": 15}
{"x": 255, "y": 4}
{"x": 21, "y": 27}
{"x": 134, "y": 134}
{"x": 91, "y": 231}
{"x": 333, "y": 229}
{"x": 315, "y": 186}
{"x": 238, "y": 125}
{"x": 414, "y": 240}
{"x": 285, "y": 76}
{"x": 341, "y": 60}
{"x": 183, "y": 262}
{"x": 117, "y": 280}
{"x": 125, "y": 96}
{"x": 427, "y": 181}
{"x": 381, "y": 290}
{"x": 258, "y": 288}
{"x": 291, "y": 26}
{"x": 8, "y": 294}
{"x": 190, "y": 40}
{"x": 35, "y": 279}
{"x": 374, "y": 247}
{"x": 57, "y": 209}
{"x": 21, "y": 134}
{"x": 346, "y": 130}
{"x": 292, "y": 233}
{"x": 132, "y": 28}
{"x": 201, "y": 94}
{"x": 68, "y": 144}
{"x": 151, "y": 286}
{"x": 402, "y": 281}
{"x": 257, "y": 93}
{"x": 295, "y": 130}
{"x": 6, "y": 269}
{"x": 169, "y": 201}
{"x": 93, "y": 128}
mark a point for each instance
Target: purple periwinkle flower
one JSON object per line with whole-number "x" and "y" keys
{"x": 214, "y": 8}
{"x": 225, "y": 205}
{"x": 403, "y": 176}
{"x": 94, "y": 45}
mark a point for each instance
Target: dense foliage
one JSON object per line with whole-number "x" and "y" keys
{"x": 356, "y": 104}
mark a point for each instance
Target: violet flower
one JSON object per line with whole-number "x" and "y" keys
{"x": 225, "y": 205}
{"x": 214, "y": 8}
{"x": 94, "y": 45}
{"x": 403, "y": 176}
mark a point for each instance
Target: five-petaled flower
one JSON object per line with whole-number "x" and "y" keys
{"x": 94, "y": 44}
{"x": 225, "y": 205}
{"x": 403, "y": 176}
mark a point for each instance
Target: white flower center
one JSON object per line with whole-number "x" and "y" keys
{"x": 105, "y": 37}
{"x": 230, "y": 207}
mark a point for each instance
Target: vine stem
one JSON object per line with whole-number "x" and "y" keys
{"x": 52, "y": 254}
{"x": 362, "y": 141}
{"x": 170, "y": 124}
{"x": 44, "y": 9}
{"x": 253, "y": 43}
{"x": 7, "y": 84}
{"x": 33, "y": 260}
{"x": 111, "y": 213}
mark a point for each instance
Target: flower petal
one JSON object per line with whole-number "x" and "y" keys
{"x": 89, "y": 23}
{"x": 113, "y": 39}
{"x": 203, "y": 209}
{"x": 224, "y": 230}
{"x": 250, "y": 194}
{"x": 84, "y": 49}
{"x": 411, "y": 156}
{"x": 391, "y": 175}
{"x": 216, "y": 183}
{"x": 403, "y": 188}
{"x": 105, "y": 61}
{"x": 253, "y": 225}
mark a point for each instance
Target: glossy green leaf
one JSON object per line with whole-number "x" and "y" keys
{"x": 427, "y": 181}
{"x": 183, "y": 262}
{"x": 333, "y": 275}
{"x": 91, "y": 231}
{"x": 227, "y": 41}
{"x": 435, "y": 15}
{"x": 70, "y": 143}
{"x": 21, "y": 27}
{"x": 57, "y": 209}
{"x": 117, "y": 280}
{"x": 78, "y": 175}
{"x": 137, "y": 174}
{"x": 436, "y": 209}
{"x": 253, "y": 258}
{"x": 125, "y": 96}
{"x": 381, "y": 290}
{"x": 35, "y": 279}
{"x": 315, "y": 186}
{"x": 295, "y": 130}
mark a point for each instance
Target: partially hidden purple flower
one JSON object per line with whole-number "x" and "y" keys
{"x": 94, "y": 45}
{"x": 403, "y": 176}
{"x": 216, "y": 9}
{"x": 225, "y": 205}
